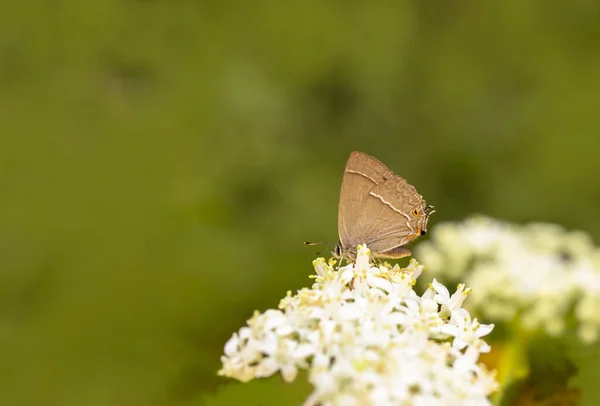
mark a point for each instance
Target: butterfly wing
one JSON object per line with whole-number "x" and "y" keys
{"x": 354, "y": 197}
{"x": 376, "y": 207}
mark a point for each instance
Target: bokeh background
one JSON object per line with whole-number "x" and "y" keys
{"x": 161, "y": 163}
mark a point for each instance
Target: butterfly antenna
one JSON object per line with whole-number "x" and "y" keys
{"x": 318, "y": 243}
{"x": 315, "y": 242}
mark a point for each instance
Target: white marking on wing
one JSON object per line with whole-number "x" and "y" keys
{"x": 393, "y": 208}
{"x": 362, "y": 174}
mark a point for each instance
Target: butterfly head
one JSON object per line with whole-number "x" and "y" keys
{"x": 344, "y": 253}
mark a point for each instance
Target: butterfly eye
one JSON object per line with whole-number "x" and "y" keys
{"x": 415, "y": 212}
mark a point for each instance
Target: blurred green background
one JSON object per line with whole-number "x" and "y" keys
{"x": 161, "y": 162}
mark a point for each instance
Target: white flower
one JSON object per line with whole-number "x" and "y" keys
{"x": 367, "y": 338}
{"x": 532, "y": 274}
{"x": 467, "y": 332}
{"x": 449, "y": 303}
{"x": 589, "y": 316}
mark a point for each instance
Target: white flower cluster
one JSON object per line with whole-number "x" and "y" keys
{"x": 367, "y": 338}
{"x": 534, "y": 275}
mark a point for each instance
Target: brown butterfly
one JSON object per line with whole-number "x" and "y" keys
{"x": 378, "y": 208}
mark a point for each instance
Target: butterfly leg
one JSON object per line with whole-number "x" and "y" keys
{"x": 377, "y": 261}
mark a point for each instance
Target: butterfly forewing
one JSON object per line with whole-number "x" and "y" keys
{"x": 369, "y": 167}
